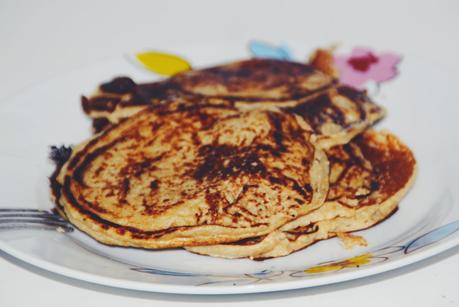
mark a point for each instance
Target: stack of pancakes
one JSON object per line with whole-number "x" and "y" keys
{"x": 257, "y": 158}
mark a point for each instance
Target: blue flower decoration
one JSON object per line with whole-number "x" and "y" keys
{"x": 432, "y": 237}
{"x": 260, "y": 49}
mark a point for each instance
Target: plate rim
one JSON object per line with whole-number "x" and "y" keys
{"x": 365, "y": 271}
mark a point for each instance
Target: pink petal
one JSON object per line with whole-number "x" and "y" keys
{"x": 385, "y": 69}
{"x": 352, "y": 78}
{"x": 389, "y": 59}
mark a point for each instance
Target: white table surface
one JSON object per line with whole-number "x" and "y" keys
{"x": 43, "y": 39}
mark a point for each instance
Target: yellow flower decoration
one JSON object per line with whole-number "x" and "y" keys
{"x": 335, "y": 266}
{"x": 163, "y": 63}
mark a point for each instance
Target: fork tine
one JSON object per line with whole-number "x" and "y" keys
{"x": 10, "y": 212}
{"x": 35, "y": 223}
{"x": 11, "y": 218}
{"x": 59, "y": 228}
{"x": 23, "y": 210}
{"x": 31, "y": 215}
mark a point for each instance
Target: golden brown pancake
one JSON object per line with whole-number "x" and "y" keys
{"x": 368, "y": 177}
{"x": 255, "y": 80}
{"x": 250, "y": 81}
{"x": 333, "y": 112}
{"x": 337, "y": 115}
{"x": 192, "y": 176}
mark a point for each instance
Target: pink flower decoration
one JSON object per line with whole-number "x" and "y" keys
{"x": 364, "y": 65}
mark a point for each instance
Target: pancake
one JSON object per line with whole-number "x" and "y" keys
{"x": 333, "y": 112}
{"x": 264, "y": 81}
{"x": 252, "y": 81}
{"x": 192, "y": 176}
{"x": 337, "y": 115}
{"x": 368, "y": 178}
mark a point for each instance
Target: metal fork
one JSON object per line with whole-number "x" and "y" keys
{"x": 32, "y": 219}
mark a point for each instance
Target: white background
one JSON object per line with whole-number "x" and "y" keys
{"x": 43, "y": 39}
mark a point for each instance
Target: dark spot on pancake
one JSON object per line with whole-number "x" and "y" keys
{"x": 277, "y": 132}
{"x": 235, "y": 217}
{"x": 213, "y": 200}
{"x": 154, "y": 185}
{"x": 304, "y": 230}
{"x": 223, "y": 161}
{"x": 137, "y": 99}
{"x": 155, "y": 125}
{"x": 100, "y": 123}
{"x": 207, "y": 121}
{"x": 299, "y": 201}
{"x": 100, "y": 103}
{"x": 86, "y": 104}
{"x": 159, "y": 90}
{"x": 119, "y": 85}
{"x": 248, "y": 241}
{"x": 352, "y": 93}
{"x": 195, "y": 138}
{"x": 100, "y": 169}
{"x": 125, "y": 186}
{"x": 198, "y": 215}
{"x": 374, "y": 185}
{"x": 55, "y": 186}
{"x": 136, "y": 168}
{"x": 300, "y": 190}
{"x": 60, "y": 155}
{"x": 275, "y": 180}
{"x": 318, "y": 111}
{"x": 139, "y": 168}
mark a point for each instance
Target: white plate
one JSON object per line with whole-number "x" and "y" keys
{"x": 422, "y": 104}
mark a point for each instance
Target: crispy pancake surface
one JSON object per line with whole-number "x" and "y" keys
{"x": 337, "y": 115}
{"x": 192, "y": 176}
{"x": 255, "y": 80}
{"x": 249, "y": 81}
{"x": 333, "y": 112}
{"x": 368, "y": 177}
